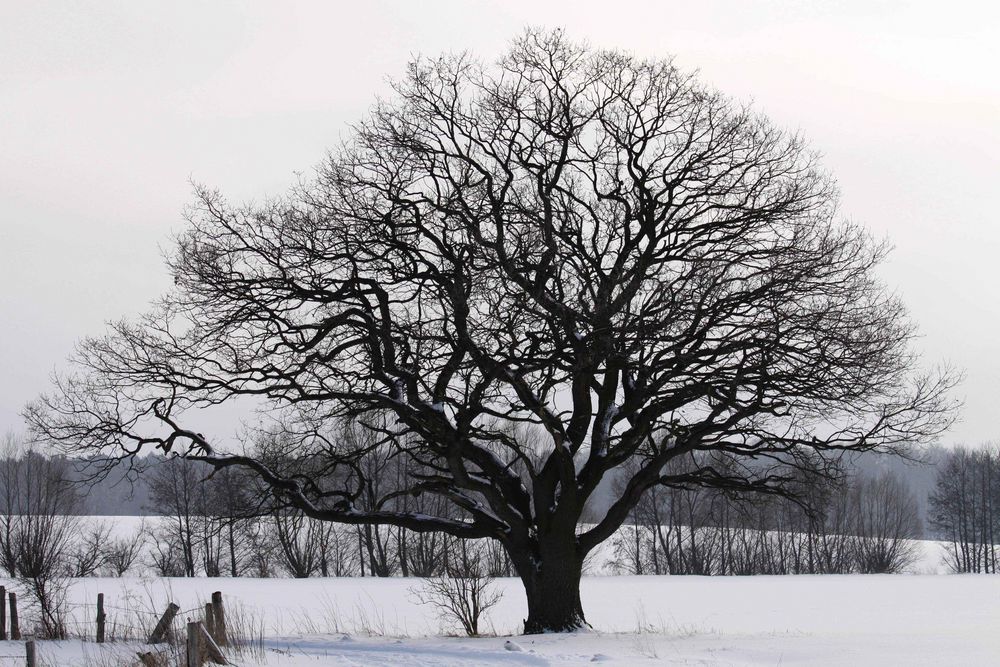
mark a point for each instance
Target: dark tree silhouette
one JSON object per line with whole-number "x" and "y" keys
{"x": 575, "y": 244}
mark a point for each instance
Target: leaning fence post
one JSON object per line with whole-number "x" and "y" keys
{"x": 160, "y": 631}
{"x": 3, "y": 613}
{"x": 100, "y": 618}
{"x": 15, "y": 627}
{"x": 193, "y": 652}
{"x": 29, "y": 652}
{"x": 219, "y": 618}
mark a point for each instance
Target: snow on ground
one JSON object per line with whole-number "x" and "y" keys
{"x": 764, "y": 620}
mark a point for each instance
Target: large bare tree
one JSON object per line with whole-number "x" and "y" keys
{"x": 578, "y": 245}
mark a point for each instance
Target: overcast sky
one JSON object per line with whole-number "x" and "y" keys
{"x": 108, "y": 109}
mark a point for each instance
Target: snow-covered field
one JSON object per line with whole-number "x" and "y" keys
{"x": 922, "y": 618}
{"x": 765, "y": 620}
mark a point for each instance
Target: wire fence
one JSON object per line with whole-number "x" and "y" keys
{"x": 133, "y": 622}
{"x": 122, "y": 622}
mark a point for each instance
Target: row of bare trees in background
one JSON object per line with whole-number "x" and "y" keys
{"x": 864, "y": 524}
{"x": 964, "y": 508}
{"x": 226, "y": 524}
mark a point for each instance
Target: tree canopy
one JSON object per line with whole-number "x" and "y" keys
{"x": 518, "y": 277}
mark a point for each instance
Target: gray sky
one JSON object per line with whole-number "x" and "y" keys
{"x": 107, "y": 109}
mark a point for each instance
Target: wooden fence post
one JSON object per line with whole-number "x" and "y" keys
{"x": 210, "y": 647}
{"x": 219, "y": 618}
{"x": 210, "y": 620}
{"x": 15, "y": 627}
{"x": 3, "y": 613}
{"x": 29, "y": 652}
{"x": 163, "y": 626}
{"x": 100, "y": 618}
{"x": 193, "y": 649}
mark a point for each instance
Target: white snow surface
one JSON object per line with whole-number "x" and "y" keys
{"x": 650, "y": 620}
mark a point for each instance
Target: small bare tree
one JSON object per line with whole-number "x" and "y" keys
{"x": 466, "y": 593}
{"x": 885, "y": 523}
{"x": 164, "y": 555}
{"x": 122, "y": 553}
{"x": 174, "y": 492}
{"x": 299, "y": 542}
{"x": 90, "y": 550}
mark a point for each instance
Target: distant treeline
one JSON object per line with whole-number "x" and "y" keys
{"x": 229, "y": 524}
{"x": 126, "y": 488}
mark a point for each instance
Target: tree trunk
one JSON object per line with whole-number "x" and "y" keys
{"x": 233, "y": 571}
{"x": 552, "y": 586}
